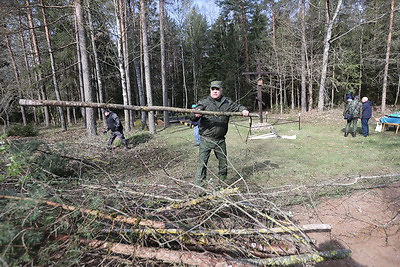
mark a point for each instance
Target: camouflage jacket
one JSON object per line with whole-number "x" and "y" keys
{"x": 354, "y": 108}
{"x": 212, "y": 126}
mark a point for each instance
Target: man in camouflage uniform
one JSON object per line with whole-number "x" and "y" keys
{"x": 354, "y": 107}
{"x": 213, "y": 130}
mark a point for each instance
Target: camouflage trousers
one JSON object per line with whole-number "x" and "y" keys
{"x": 351, "y": 126}
{"x": 205, "y": 148}
{"x": 118, "y": 134}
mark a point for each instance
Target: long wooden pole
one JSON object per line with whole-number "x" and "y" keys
{"x": 33, "y": 102}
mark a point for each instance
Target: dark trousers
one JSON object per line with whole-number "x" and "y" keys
{"x": 364, "y": 126}
{"x": 219, "y": 147}
{"x": 118, "y": 134}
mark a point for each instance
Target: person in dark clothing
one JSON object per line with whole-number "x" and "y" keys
{"x": 366, "y": 115}
{"x": 213, "y": 130}
{"x": 349, "y": 95}
{"x": 114, "y": 125}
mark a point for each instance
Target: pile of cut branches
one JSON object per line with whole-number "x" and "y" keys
{"x": 48, "y": 220}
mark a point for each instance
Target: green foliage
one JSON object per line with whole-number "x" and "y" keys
{"x": 21, "y": 130}
{"x": 139, "y": 138}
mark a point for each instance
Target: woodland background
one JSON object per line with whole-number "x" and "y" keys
{"x": 167, "y": 52}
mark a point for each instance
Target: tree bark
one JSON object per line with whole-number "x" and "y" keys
{"x": 386, "y": 71}
{"x": 146, "y": 59}
{"x": 90, "y": 118}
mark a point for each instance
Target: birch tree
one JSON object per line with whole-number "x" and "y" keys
{"x": 330, "y": 20}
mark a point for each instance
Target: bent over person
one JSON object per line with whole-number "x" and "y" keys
{"x": 115, "y": 126}
{"x": 213, "y": 130}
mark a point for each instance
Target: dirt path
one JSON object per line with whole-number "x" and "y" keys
{"x": 366, "y": 222}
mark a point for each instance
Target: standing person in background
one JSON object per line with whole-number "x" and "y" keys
{"x": 349, "y": 95}
{"x": 353, "y": 108}
{"x": 114, "y": 124}
{"x": 196, "y": 131}
{"x": 366, "y": 115}
{"x": 213, "y": 130}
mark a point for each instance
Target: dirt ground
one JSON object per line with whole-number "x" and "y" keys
{"x": 367, "y": 222}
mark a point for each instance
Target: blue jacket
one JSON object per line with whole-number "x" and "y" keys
{"x": 366, "y": 110}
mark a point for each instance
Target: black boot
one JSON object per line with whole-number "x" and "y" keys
{"x": 346, "y": 134}
{"x": 353, "y": 134}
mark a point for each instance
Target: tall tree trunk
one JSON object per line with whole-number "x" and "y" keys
{"x": 96, "y": 61}
{"x": 146, "y": 59}
{"x": 53, "y": 69}
{"x": 328, "y": 34}
{"x": 125, "y": 54}
{"x": 141, "y": 98}
{"x": 184, "y": 76}
{"x": 17, "y": 77}
{"x": 386, "y": 71}
{"x": 80, "y": 75}
{"x": 121, "y": 63}
{"x": 163, "y": 66}
{"x": 87, "y": 88}
{"x": 303, "y": 58}
{"x": 38, "y": 62}
{"x": 245, "y": 39}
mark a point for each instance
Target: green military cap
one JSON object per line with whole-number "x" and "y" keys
{"x": 216, "y": 84}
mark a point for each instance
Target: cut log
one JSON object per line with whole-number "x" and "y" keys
{"x": 166, "y": 255}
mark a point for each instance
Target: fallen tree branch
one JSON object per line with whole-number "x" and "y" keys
{"x": 222, "y": 232}
{"x": 118, "y": 218}
{"x": 166, "y": 255}
{"x": 33, "y": 102}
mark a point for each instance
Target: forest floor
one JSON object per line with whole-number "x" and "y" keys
{"x": 353, "y": 184}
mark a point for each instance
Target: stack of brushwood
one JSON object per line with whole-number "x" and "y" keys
{"x": 222, "y": 228}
